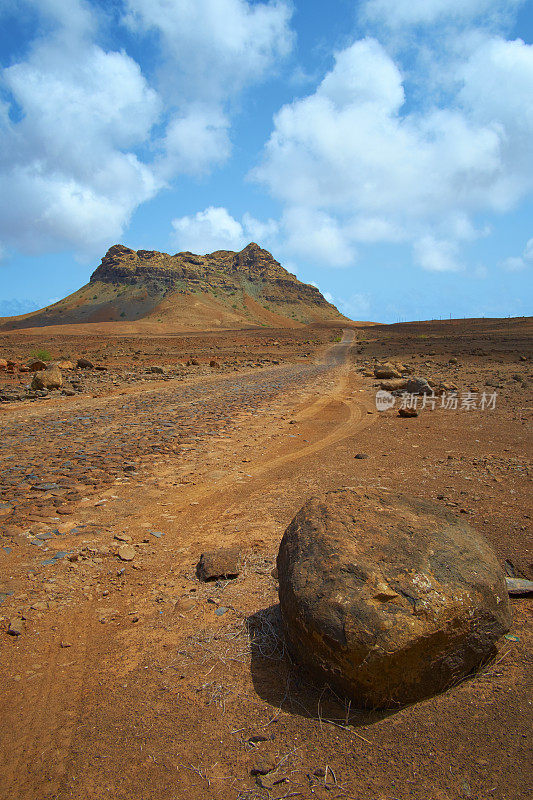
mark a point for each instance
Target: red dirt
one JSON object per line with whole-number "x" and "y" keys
{"x": 125, "y": 683}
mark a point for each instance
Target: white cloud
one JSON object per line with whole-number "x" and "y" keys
{"x": 316, "y": 236}
{"x": 519, "y": 263}
{"x": 351, "y": 163}
{"x": 214, "y": 48}
{"x": 215, "y": 229}
{"x": 211, "y": 51}
{"x": 208, "y": 230}
{"x": 193, "y": 143}
{"x": 86, "y": 138}
{"x": 403, "y": 13}
{"x": 435, "y": 255}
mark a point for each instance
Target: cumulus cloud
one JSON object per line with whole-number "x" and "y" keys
{"x": 207, "y": 231}
{"x": 87, "y": 138}
{"x": 211, "y": 51}
{"x": 214, "y": 48}
{"x": 215, "y": 229}
{"x": 354, "y": 162}
{"x": 519, "y": 263}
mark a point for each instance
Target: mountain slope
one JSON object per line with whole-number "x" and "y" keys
{"x": 186, "y": 291}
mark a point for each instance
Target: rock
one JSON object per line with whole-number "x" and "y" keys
{"x": 47, "y": 379}
{"x": 394, "y": 385}
{"x": 126, "y": 552}
{"x": 407, "y": 412}
{"x": 68, "y": 392}
{"x": 361, "y": 455}
{"x": 452, "y": 360}
{"x": 519, "y": 587}
{"x": 222, "y": 563}
{"x": 84, "y": 363}
{"x": 386, "y": 371}
{"x": 214, "y": 364}
{"x": 184, "y": 605}
{"x": 418, "y": 386}
{"x": 122, "y": 537}
{"x": 36, "y": 364}
{"x": 65, "y": 364}
{"x": 157, "y": 370}
{"x": 16, "y": 627}
{"x": 263, "y": 765}
{"x": 388, "y": 598}
{"x": 3, "y": 363}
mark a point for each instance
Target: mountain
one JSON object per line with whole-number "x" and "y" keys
{"x": 223, "y": 289}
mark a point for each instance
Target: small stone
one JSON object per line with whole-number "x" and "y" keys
{"x": 221, "y": 563}
{"x": 40, "y": 605}
{"x": 16, "y": 627}
{"x": 221, "y": 611}
{"x": 519, "y": 587}
{"x": 122, "y": 537}
{"x": 263, "y": 765}
{"x": 66, "y": 644}
{"x": 361, "y": 455}
{"x": 407, "y": 413}
{"x": 126, "y": 552}
{"x": 184, "y": 605}
{"x": 84, "y": 363}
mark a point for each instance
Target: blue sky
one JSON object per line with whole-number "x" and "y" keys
{"x": 382, "y": 149}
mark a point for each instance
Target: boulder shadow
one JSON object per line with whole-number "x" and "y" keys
{"x": 288, "y": 687}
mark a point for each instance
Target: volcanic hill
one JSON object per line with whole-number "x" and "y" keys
{"x": 223, "y": 289}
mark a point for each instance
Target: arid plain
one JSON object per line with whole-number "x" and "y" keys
{"x": 127, "y": 677}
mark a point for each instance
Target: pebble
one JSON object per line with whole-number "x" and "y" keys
{"x": 126, "y": 552}
{"x": 16, "y": 627}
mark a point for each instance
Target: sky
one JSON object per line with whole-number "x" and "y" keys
{"x": 380, "y": 149}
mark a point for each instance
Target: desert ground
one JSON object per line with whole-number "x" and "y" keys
{"x": 124, "y": 677}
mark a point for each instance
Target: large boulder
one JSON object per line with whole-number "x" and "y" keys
{"x": 50, "y": 378}
{"x": 388, "y": 598}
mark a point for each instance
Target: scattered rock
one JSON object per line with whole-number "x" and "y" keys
{"x": 388, "y": 598}
{"x": 47, "y": 379}
{"x": 418, "y": 386}
{"x": 407, "y": 412}
{"x": 386, "y": 371}
{"x": 184, "y": 605}
{"x": 519, "y": 587}
{"x": 221, "y": 563}
{"x": 395, "y": 385}
{"x": 126, "y": 552}
{"x": 36, "y": 365}
{"x": 263, "y": 765}
{"x": 16, "y": 627}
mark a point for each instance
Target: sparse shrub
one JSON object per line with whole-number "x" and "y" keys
{"x": 42, "y": 354}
